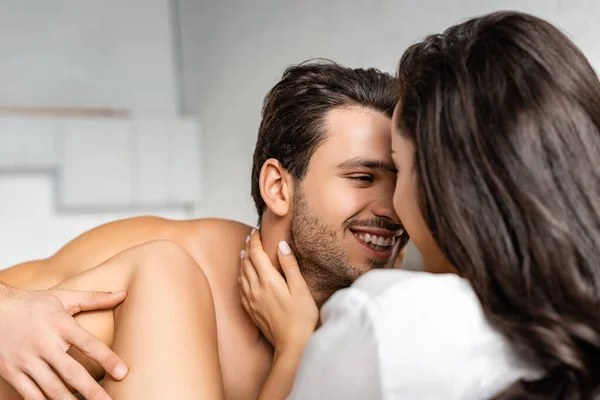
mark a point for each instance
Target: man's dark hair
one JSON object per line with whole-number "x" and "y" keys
{"x": 294, "y": 112}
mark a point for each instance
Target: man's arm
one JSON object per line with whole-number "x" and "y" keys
{"x": 90, "y": 249}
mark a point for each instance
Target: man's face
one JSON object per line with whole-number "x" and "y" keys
{"x": 344, "y": 223}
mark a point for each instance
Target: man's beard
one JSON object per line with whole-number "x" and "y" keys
{"x": 320, "y": 250}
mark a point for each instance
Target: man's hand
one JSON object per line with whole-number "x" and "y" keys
{"x": 37, "y": 329}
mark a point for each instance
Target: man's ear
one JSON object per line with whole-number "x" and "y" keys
{"x": 276, "y": 187}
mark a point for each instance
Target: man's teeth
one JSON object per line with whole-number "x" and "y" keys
{"x": 377, "y": 240}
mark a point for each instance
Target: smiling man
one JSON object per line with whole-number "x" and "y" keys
{"x": 322, "y": 178}
{"x": 342, "y": 221}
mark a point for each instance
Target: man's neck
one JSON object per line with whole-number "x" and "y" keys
{"x": 321, "y": 297}
{"x": 272, "y": 231}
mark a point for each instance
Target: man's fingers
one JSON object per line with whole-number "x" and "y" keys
{"x": 290, "y": 268}
{"x": 49, "y": 382}
{"x": 77, "y": 301}
{"x": 95, "y": 349}
{"x": 75, "y": 375}
{"x": 25, "y": 386}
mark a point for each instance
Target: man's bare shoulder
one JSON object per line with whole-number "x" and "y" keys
{"x": 212, "y": 226}
{"x": 91, "y": 248}
{"x": 147, "y": 226}
{"x": 188, "y": 233}
{"x": 207, "y": 236}
{"x": 216, "y": 244}
{"x": 153, "y": 227}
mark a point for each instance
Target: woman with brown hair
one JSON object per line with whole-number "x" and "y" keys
{"x": 497, "y": 145}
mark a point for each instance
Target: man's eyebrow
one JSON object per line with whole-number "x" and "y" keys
{"x": 359, "y": 162}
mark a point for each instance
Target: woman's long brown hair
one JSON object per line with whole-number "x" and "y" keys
{"x": 504, "y": 113}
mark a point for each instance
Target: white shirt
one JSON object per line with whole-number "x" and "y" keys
{"x": 406, "y": 335}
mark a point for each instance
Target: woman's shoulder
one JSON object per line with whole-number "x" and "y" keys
{"x": 379, "y": 283}
{"x": 406, "y": 292}
{"x": 431, "y": 334}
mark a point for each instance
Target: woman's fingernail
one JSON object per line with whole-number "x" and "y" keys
{"x": 242, "y": 254}
{"x": 253, "y": 230}
{"x": 284, "y": 248}
{"x": 247, "y": 239}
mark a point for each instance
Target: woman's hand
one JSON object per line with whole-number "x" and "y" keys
{"x": 285, "y": 312}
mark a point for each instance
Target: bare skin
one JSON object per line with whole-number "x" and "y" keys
{"x": 284, "y": 310}
{"x": 245, "y": 357}
{"x": 350, "y": 178}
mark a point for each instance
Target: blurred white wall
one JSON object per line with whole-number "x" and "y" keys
{"x": 214, "y": 59}
{"x": 32, "y": 228}
{"x": 92, "y": 53}
{"x": 59, "y": 178}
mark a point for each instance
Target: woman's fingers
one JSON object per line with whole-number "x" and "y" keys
{"x": 289, "y": 265}
{"x": 266, "y": 271}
